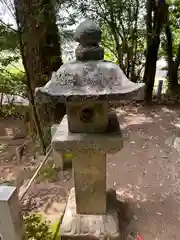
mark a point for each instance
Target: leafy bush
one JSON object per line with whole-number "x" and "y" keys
{"x": 37, "y": 228}
{"x": 12, "y": 83}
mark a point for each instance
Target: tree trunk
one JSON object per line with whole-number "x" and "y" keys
{"x": 173, "y": 65}
{"x": 50, "y": 47}
{"x": 28, "y": 82}
{"x": 150, "y": 68}
{"x": 40, "y": 39}
{"x": 41, "y": 49}
{"x": 154, "y": 28}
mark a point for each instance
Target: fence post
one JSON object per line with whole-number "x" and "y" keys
{"x": 159, "y": 89}
{"x": 11, "y": 222}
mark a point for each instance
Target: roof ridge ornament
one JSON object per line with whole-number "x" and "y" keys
{"x": 88, "y": 34}
{"x": 89, "y": 77}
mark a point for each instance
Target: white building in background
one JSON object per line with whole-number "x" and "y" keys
{"x": 160, "y": 69}
{"x": 68, "y": 51}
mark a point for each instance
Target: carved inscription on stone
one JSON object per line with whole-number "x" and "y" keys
{"x": 97, "y": 226}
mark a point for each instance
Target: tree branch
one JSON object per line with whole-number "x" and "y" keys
{"x": 8, "y": 26}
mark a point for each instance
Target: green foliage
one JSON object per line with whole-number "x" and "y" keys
{"x": 48, "y": 173}
{"x": 12, "y": 83}
{"x": 13, "y": 111}
{"x": 3, "y": 147}
{"x": 54, "y": 228}
{"x": 8, "y": 38}
{"x": 5, "y": 61}
{"x": 123, "y": 32}
{"x": 109, "y": 45}
{"x": 37, "y": 228}
{"x": 174, "y": 19}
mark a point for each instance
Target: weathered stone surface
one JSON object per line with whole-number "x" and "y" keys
{"x": 60, "y": 161}
{"x": 89, "y": 162}
{"x": 88, "y": 33}
{"x": 89, "y": 53}
{"x": 89, "y": 77}
{"x": 111, "y": 141}
{"x": 90, "y": 182}
{"x": 77, "y": 226}
{"x": 11, "y": 225}
{"x": 91, "y": 117}
{"x": 92, "y": 80}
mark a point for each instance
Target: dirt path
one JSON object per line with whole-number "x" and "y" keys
{"x": 146, "y": 171}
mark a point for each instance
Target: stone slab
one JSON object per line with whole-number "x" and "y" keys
{"x": 110, "y": 141}
{"x": 60, "y": 159}
{"x": 11, "y": 224}
{"x": 78, "y": 226}
{"x": 54, "y": 129}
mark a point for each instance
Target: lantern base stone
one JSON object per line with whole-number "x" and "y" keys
{"x": 79, "y": 226}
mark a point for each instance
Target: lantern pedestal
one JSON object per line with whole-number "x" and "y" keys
{"x": 87, "y": 204}
{"x": 83, "y": 226}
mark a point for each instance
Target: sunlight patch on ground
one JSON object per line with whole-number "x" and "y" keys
{"x": 133, "y": 119}
{"x": 129, "y": 193}
{"x": 176, "y": 123}
{"x": 167, "y": 110}
{"x": 120, "y": 111}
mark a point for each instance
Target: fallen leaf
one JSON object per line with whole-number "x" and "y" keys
{"x": 168, "y": 177}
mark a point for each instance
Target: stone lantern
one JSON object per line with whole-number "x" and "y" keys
{"x": 89, "y": 131}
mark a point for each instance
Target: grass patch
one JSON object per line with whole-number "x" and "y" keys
{"x": 54, "y": 227}
{"x": 48, "y": 173}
